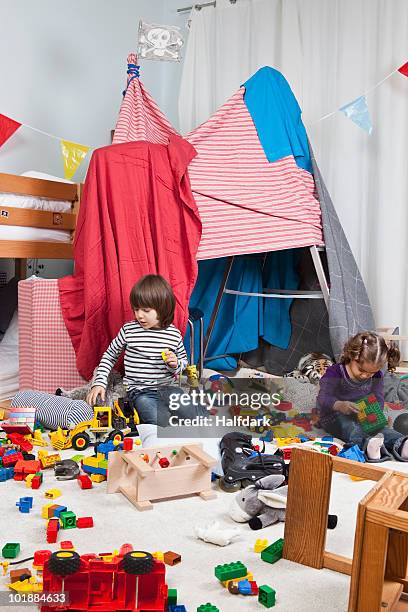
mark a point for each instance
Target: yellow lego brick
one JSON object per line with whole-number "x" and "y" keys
{"x": 97, "y": 477}
{"x": 249, "y": 576}
{"x": 93, "y": 461}
{"x": 45, "y": 510}
{"x": 28, "y": 480}
{"x": 52, "y": 493}
{"x": 158, "y": 555}
{"x": 260, "y": 545}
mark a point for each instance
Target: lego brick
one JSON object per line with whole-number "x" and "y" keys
{"x": 84, "y": 481}
{"x": 52, "y": 493}
{"x": 244, "y": 587}
{"x": 249, "y": 576}
{"x": 260, "y": 545}
{"x": 67, "y": 520}
{"x": 177, "y": 608}
{"x": 172, "y": 597}
{"x": 273, "y": 553}
{"x": 52, "y": 530}
{"x": 66, "y": 545}
{"x": 98, "y": 477}
{"x": 267, "y": 596}
{"x": 56, "y": 512}
{"x": 20, "y": 574}
{"x": 10, "y": 550}
{"x": 171, "y": 558}
{"x": 207, "y": 608}
{"x": 84, "y": 522}
{"x": 229, "y": 571}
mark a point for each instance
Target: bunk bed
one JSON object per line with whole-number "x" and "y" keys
{"x": 37, "y": 219}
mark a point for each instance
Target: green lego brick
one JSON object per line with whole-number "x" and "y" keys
{"x": 67, "y": 520}
{"x": 228, "y": 571}
{"x": 77, "y": 458}
{"x": 172, "y": 597}
{"x": 207, "y": 608}
{"x": 273, "y": 553}
{"x": 369, "y": 406}
{"x": 267, "y": 596}
{"x": 10, "y": 550}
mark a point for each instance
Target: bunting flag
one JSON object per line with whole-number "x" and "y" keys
{"x": 7, "y": 128}
{"x": 72, "y": 154}
{"x": 404, "y": 69}
{"x": 357, "y": 111}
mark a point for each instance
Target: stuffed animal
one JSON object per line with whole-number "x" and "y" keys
{"x": 114, "y": 390}
{"x": 216, "y": 534}
{"x": 262, "y": 503}
{"x": 311, "y": 367}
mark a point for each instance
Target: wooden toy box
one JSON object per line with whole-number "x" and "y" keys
{"x": 189, "y": 472}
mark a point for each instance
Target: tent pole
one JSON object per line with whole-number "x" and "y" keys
{"x": 317, "y": 262}
{"x": 228, "y": 267}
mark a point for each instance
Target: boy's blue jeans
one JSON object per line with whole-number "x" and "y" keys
{"x": 152, "y": 405}
{"x": 350, "y": 431}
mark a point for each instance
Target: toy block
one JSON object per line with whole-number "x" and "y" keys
{"x": 40, "y": 558}
{"x": 36, "y": 481}
{"x": 77, "y": 458}
{"x": 172, "y": 597}
{"x": 260, "y": 545}
{"x": 67, "y": 520}
{"x": 207, "y": 608}
{"x": 25, "y": 504}
{"x": 47, "y": 510}
{"x": 267, "y": 596}
{"x": 228, "y": 571}
{"x": 178, "y": 608}
{"x": 52, "y": 493}
{"x": 249, "y": 576}
{"x": 158, "y": 555}
{"x": 273, "y": 553}
{"x": 20, "y": 574}
{"x": 52, "y": 530}
{"x": 127, "y": 444}
{"x": 354, "y": 453}
{"x": 254, "y": 587}
{"x": 98, "y": 477}
{"x": 58, "y": 510}
{"x": 171, "y": 558}
{"x": 84, "y": 522}
{"x": 10, "y": 550}
{"x": 10, "y": 460}
{"x": 92, "y": 461}
{"x": 371, "y": 416}
{"x": 6, "y": 474}
{"x": 233, "y": 587}
{"x": 244, "y": 587}
{"x": 84, "y": 481}
{"x": 66, "y": 545}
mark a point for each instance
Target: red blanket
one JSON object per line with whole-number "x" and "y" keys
{"x": 137, "y": 216}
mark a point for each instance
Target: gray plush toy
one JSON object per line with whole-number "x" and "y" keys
{"x": 114, "y": 390}
{"x": 262, "y": 503}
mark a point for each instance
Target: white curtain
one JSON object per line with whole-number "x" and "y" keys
{"x": 331, "y": 52}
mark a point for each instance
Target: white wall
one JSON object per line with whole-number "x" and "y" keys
{"x": 63, "y": 70}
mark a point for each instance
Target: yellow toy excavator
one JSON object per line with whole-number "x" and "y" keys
{"x": 106, "y": 424}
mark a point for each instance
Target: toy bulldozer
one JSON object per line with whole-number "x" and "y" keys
{"x": 107, "y": 424}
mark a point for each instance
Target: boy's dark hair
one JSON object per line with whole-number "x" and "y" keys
{"x": 153, "y": 291}
{"x": 371, "y": 347}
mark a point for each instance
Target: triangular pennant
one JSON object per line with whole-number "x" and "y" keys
{"x": 404, "y": 69}
{"x": 357, "y": 111}
{"x": 72, "y": 154}
{"x": 7, "y": 128}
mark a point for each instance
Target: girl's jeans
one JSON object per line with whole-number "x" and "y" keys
{"x": 153, "y": 405}
{"x": 350, "y": 431}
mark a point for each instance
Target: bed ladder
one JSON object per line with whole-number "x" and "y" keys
{"x": 323, "y": 294}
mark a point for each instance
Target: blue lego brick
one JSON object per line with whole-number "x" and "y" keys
{"x": 177, "y": 608}
{"x": 58, "y": 511}
{"x": 93, "y": 470}
{"x": 244, "y": 587}
{"x": 354, "y": 453}
{"x": 6, "y": 474}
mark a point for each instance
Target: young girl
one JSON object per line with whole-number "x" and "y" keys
{"x": 357, "y": 375}
{"x": 154, "y": 354}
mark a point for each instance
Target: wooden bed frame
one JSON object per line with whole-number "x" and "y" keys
{"x": 21, "y": 250}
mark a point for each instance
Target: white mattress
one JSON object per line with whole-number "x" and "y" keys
{"x": 9, "y": 364}
{"x": 14, "y": 232}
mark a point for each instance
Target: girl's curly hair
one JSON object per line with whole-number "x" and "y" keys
{"x": 371, "y": 347}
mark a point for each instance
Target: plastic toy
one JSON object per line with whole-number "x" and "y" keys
{"x": 208, "y": 607}
{"x": 171, "y": 558}
{"x": 267, "y": 596}
{"x": 229, "y": 571}
{"x": 52, "y": 493}
{"x": 125, "y": 580}
{"x": 261, "y": 504}
{"x": 354, "y": 453}
{"x": 260, "y": 545}
{"x": 25, "y": 504}
{"x": 142, "y": 482}
{"x": 84, "y": 522}
{"x": 242, "y": 465}
{"x": 371, "y": 416}
{"x": 84, "y": 481}
{"x": 10, "y": 550}
{"x": 107, "y": 424}
{"x": 47, "y": 460}
{"x": 273, "y": 553}
{"x": 67, "y": 469}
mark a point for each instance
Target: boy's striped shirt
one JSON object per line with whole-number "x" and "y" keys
{"x": 144, "y": 365}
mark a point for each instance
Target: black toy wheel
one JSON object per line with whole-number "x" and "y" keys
{"x": 229, "y": 487}
{"x": 115, "y": 436}
{"x": 81, "y": 441}
{"x": 138, "y": 562}
{"x": 64, "y": 562}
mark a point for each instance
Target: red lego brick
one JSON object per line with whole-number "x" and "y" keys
{"x": 371, "y": 399}
{"x": 52, "y": 530}
{"x": 84, "y": 522}
{"x": 84, "y": 481}
{"x": 254, "y": 587}
{"x": 10, "y": 460}
{"x": 40, "y": 558}
{"x": 127, "y": 444}
{"x": 66, "y": 544}
{"x": 36, "y": 482}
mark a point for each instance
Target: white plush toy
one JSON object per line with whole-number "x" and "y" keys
{"x": 215, "y": 534}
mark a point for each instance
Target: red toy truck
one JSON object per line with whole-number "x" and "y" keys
{"x": 129, "y": 581}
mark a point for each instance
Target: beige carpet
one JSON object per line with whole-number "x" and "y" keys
{"x": 170, "y": 526}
